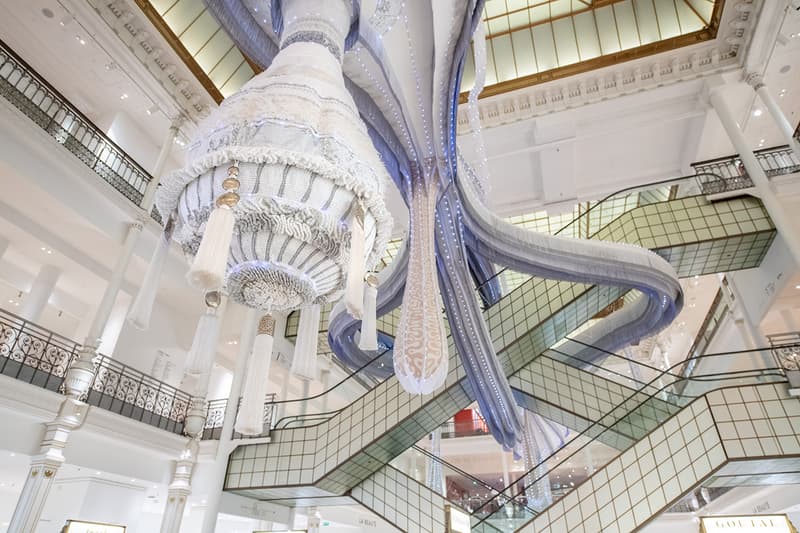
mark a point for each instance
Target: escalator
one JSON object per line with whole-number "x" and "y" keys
{"x": 328, "y": 456}
{"x": 676, "y": 442}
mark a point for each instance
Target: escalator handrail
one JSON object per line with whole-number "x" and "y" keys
{"x": 776, "y": 371}
{"x": 626, "y": 191}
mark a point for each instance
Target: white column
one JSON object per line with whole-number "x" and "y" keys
{"x": 764, "y": 188}
{"x": 757, "y": 82}
{"x": 35, "y": 301}
{"x": 79, "y": 376}
{"x": 44, "y": 467}
{"x": 224, "y": 448}
{"x": 179, "y": 489}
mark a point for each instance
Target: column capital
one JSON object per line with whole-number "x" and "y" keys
{"x": 754, "y": 79}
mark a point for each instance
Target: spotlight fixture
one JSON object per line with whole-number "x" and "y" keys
{"x": 123, "y": 96}
{"x": 757, "y": 113}
{"x": 80, "y": 39}
{"x": 152, "y": 110}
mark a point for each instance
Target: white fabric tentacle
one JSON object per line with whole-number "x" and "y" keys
{"x": 304, "y": 362}
{"x": 368, "y": 340}
{"x": 354, "y": 290}
{"x": 204, "y": 345}
{"x": 250, "y": 418}
{"x": 142, "y": 306}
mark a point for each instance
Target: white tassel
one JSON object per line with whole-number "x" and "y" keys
{"x": 354, "y": 289}
{"x": 208, "y": 268}
{"x": 250, "y": 419}
{"x": 142, "y": 306}
{"x": 304, "y": 362}
{"x": 204, "y": 346}
{"x": 368, "y": 341}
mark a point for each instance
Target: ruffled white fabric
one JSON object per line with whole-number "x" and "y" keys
{"x": 298, "y": 139}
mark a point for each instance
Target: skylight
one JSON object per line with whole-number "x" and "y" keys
{"x": 533, "y": 41}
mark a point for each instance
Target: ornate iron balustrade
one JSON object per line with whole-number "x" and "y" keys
{"x": 215, "y": 416}
{"x": 727, "y": 174}
{"x": 29, "y": 92}
{"x": 786, "y": 349}
{"x": 35, "y": 355}
{"x": 126, "y": 391}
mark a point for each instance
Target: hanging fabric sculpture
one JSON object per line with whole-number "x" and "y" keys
{"x": 250, "y": 418}
{"x": 540, "y": 439}
{"x": 142, "y": 306}
{"x": 281, "y": 202}
{"x": 368, "y": 340}
{"x": 204, "y": 346}
{"x": 420, "y": 348}
{"x": 304, "y": 362}
{"x": 282, "y": 199}
{"x": 434, "y": 473}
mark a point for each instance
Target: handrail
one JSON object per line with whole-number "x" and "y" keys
{"x": 723, "y": 376}
{"x": 598, "y": 205}
{"x": 36, "y": 355}
{"x": 215, "y": 417}
{"x": 34, "y": 96}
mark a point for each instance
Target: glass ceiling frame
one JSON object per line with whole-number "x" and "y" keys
{"x": 528, "y": 41}
{"x": 536, "y": 41}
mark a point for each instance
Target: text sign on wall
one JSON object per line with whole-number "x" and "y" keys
{"x": 457, "y": 520}
{"x": 746, "y": 524}
{"x": 77, "y": 526}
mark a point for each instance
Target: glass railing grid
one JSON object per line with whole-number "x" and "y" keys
{"x": 652, "y": 412}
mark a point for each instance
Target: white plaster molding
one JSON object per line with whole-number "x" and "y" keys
{"x": 705, "y": 59}
{"x": 141, "y": 50}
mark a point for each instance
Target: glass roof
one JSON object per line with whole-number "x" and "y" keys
{"x": 532, "y": 41}
{"x": 207, "y": 49}
{"x": 528, "y": 41}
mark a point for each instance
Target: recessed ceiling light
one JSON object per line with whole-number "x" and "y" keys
{"x": 47, "y": 13}
{"x": 64, "y": 21}
{"x": 797, "y": 286}
{"x": 97, "y": 473}
{"x": 757, "y": 113}
{"x": 153, "y": 109}
{"x": 124, "y": 96}
{"x": 80, "y": 39}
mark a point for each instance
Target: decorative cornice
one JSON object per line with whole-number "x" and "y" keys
{"x": 710, "y": 56}
{"x": 135, "y": 30}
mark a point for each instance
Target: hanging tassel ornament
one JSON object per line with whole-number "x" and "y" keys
{"x": 142, "y": 307}
{"x": 304, "y": 362}
{"x": 354, "y": 289}
{"x": 250, "y": 419}
{"x": 208, "y": 268}
{"x": 368, "y": 341}
{"x": 204, "y": 346}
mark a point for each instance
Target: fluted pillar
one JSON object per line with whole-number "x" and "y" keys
{"x": 36, "y": 300}
{"x": 756, "y": 81}
{"x": 45, "y": 466}
{"x": 79, "y": 376}
{"x": 180, "y": 488}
